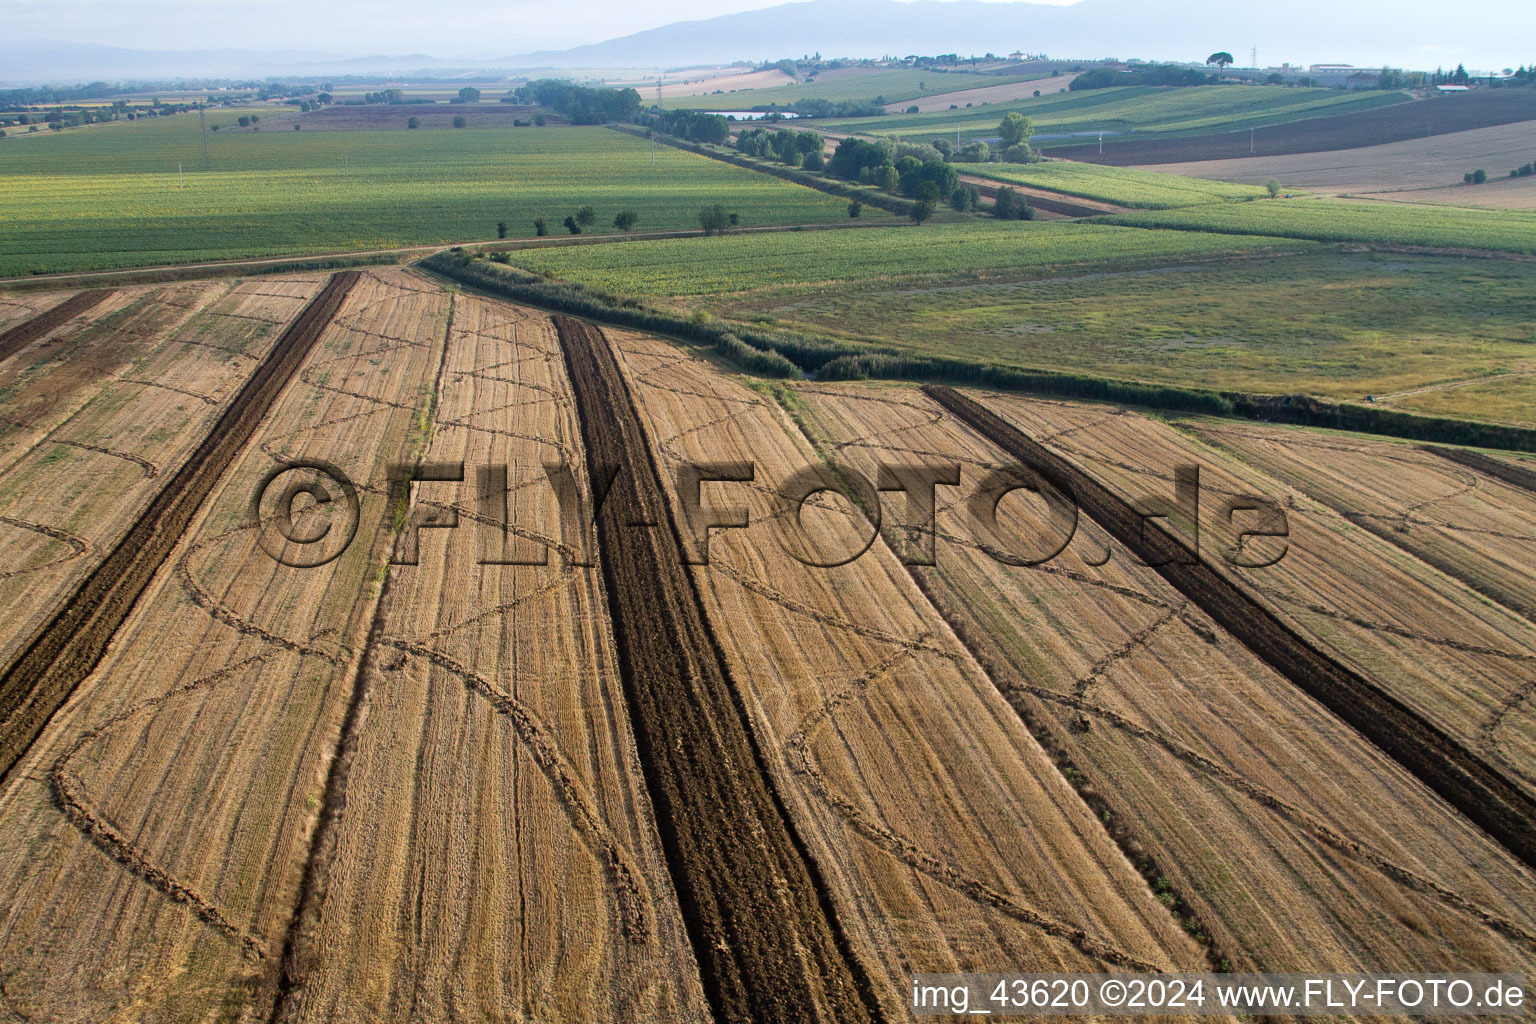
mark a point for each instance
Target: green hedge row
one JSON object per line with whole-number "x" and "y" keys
{"x": 831, "y": 186}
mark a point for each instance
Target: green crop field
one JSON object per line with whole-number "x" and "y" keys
{"x": 1333, "y": 220}
{"x": 895, "y": 85}
{"x": 109, "y": 196}
{"x": 832, "y": 259}
{"x": 1276, "y": 317}
{"x": 1144, "y": 190}
{"x": 1142, "y": 109}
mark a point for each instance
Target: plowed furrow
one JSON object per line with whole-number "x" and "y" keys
{"x": 28, "y": 331}
{"x": 766, "y": 942}
{"x": 68, "y": 647}
{"x": 1466, "y": 781}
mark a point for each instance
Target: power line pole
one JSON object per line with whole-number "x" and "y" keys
{"x": 1250, "y": 142}
{"x": 179, "y": 180}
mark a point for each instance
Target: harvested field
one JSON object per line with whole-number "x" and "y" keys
{"x": 1411, "y": 166}
{"x": 1281, "y": 834}
{"x": 1494, "y": 194}
{"x": 153, "y": 839}
{"x": 1451, "y": 658}
{"x": 985, "y": 94}
{"x": 66, "y": 650}
{"x": 1439, "y": 115}
{"x": 885, "y": 741}
{"x": 495, "y": 857}
{"x": 1411, "y": 736}
{"x": 1454, "y": 514}
{"x": 96, "y": 425}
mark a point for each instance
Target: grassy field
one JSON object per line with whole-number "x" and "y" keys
{"x": 1143, "y": 109}
{"x": 1145, "y": 190}
{"x": 1071, "y": 297}
{"x": 1330, "y": 220}
{"x": 894, "y": 84}
{"x": 111, "y": 196}
{"x": 823, "y": 260}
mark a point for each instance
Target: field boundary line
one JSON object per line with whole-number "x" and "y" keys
{"x": 28, "y": 331}
{"x": 1479, "y": 791}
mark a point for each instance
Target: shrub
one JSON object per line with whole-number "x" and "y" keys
{"x": 459, "y": 121}
{"x": 1274, "y": 188}
{"x": 855, "y": 208}
{"x": 540, "y": 228}
{"x": 413, "y": 122}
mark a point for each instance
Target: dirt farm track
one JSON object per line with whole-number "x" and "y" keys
{"x": 560, "y": 728}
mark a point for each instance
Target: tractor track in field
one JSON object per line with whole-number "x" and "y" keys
{"x": 28, "y": 331}
{"x": 759, "y": 917}
{"x": 1509, "y": 473}
{"x": 1479, "y": 791}
{"x": 73, "y": 641}
{"x": 1078, "y": 701}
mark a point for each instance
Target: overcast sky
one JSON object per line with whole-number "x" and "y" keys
{"x": 478, "y": 28}
{"x": 1412, "y": 33}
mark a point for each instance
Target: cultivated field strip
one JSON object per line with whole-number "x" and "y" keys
{"x": 153, "y": 840}
{"x": 93, "y": 433}
{"x": 1522, "y": 476}
{"x": 68, "y": 647}
{"x": 23, "y": 334}
{"x": 945, "y": 837}
{"x": 1450, "y": 652}
{"x": 1453, "y": 511}
{"x": 496, "y": 857}
{"x": 1423, "y": 723}
{"x": 16, "y": 307}
{"x": 754, "y": 905}
{"x": 1283, "y": 835}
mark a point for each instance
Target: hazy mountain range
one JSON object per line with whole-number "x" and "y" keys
{"x": 1418, "y": 35}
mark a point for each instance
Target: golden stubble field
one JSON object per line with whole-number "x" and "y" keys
{"x": 497, "y": 858}
{"x": 154, "y": 837}
{"x": 97, "y": 415}
{"x": 946, "y": 837}
{"x": 1458, "y": 659}
{"x": 1284, "y": 836}
{"x": 398, "y": 792}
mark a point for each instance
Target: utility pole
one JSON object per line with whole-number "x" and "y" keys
{"x": 1250, "y": 142}
{"x": 1101, "y": 143}
{"x": 179, "y": 180}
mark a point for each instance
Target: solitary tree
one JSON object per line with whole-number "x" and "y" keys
{"x": 921, "y": 211}
{"x": 855, "y": 208}
{"x": 1220, "y": 58}
{"x": 413, "y": 122}
{"x": 501, "y": 229}
{"x": 539, "y": 227}
{"x": 586, "y": 216}
{"x": 1274, "y": 188}
{"x": 459, "y": 121}
{"x": 1015, "y": 130}
{"x": 1479, "y": 176}
{"x": 625, "y": 220}
{"x": 572, "y": 226}
{"x": 469, "y": 94}
{"x": 714, "y": 219}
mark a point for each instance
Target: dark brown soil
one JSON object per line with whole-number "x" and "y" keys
{"x": 1415, "y": 120}
{"x": 28, "y": 331}
{"x": 1463, "y": 779}
{"x": 70, "y": 645}
{"x": 767, "y": 944}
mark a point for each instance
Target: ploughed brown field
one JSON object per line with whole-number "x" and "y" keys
{"x": 520, "y": 752}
